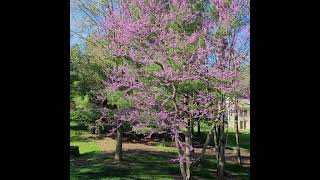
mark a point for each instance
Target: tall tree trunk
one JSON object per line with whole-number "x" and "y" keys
{"x": 182, "y": 164}
{"x": 237, "y": 132}
{"x": 222, "y": 153}
{"x": 192, "y": 129}
{"x": 227, "y": 122}
{"x": 118, "y": 153}
{"x": 226, "y": 139}
{"x": 227, "y": 133}
{"x": 199, "y": 132}
{"x": 187, "y": 150}
{"x": 205, "y": 145}
{"x": 220, "y": 139}
{"x": 216, "y": 137}
{"x": 210, "y": 136}
{"x": 191, "y": 133}
{"x": 216, "y": 144}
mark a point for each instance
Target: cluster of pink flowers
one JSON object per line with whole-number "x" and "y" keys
{"x": 122, "y": 77}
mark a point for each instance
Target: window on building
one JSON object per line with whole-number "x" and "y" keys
{"x": 243, "y": 125}
{"x": 245, "y": 112}
{"x": 230, "y": 112}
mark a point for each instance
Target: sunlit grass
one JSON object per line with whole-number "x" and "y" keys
{"x": 84, "y": 147}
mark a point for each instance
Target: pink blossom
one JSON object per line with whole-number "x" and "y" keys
{"x": 193, "y": 37}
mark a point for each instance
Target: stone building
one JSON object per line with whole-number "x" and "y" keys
{"x": 244, "y": 114}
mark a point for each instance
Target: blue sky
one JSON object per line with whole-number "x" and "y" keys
{"x": 74, "y": 39}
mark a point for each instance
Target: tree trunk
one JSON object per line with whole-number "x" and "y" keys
{"x": 226, "y": 140}
{"x": 187, "y": 151}
{"x": 227, "y": 123}
{"x": 118, "y": 154}
{"x": 181, "y": 163}
{"x": 221, "y": 154}
{"x": 237, "y": 133}
{"x": 206, "y": 143}
{"x": 191, "y": 133}
{"x": 215, "y": 138}
{"x": 227, "y": 133}
{"x": 216, "y": 144}
{"x": 220, "y": 143}
{"x": 192, "y": 124}
{"x": 199, "y": 132}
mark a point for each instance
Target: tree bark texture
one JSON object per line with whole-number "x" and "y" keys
{"x": 118, "y": 153}
{"x": 237, "y": 132}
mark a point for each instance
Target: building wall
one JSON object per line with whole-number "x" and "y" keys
{"x": 244, "y": 115}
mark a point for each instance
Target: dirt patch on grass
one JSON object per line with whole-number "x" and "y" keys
{"x": 109, "y": 145}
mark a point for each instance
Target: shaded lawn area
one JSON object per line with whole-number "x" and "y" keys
{"x": 137, "y": 165}
{"x": 140, "y": 164}
{"x": 94, "y": 163}
{"x": 244, "y": 139}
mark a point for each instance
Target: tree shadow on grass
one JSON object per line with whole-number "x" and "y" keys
{"x": 207, "y": 170}
{"x": 79, "y": 127}
{"x": 92, "y": 165}
{"x": 139, "y": 164}
{"x": 81, "y": 139}
{"x": 244, "y": 140}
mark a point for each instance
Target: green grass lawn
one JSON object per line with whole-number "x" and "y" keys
{"x": 141, "y": 165}
{"x": 138, "y": 164}
{"x": 85, "y": 143}
{"x": 231, "y": 142}
{"x": 244, "y": 139}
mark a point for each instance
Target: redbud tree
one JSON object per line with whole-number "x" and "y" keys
{"x": 165, "y": 46}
